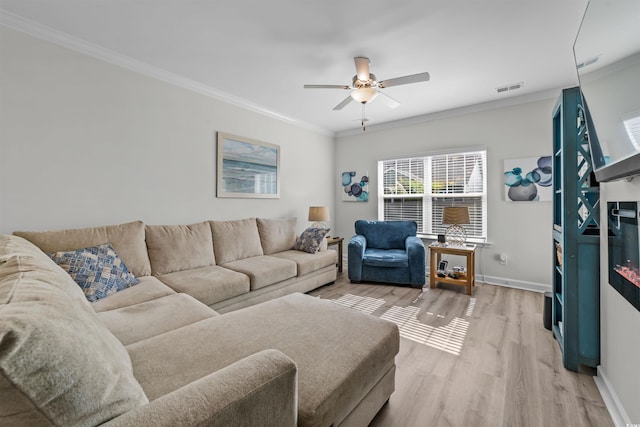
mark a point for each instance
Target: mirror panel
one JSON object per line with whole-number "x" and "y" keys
{"x": 607, "y": 52}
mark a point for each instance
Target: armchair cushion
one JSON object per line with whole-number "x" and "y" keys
{"x": 386, "y": 234}
{"x": 386, "y": 258}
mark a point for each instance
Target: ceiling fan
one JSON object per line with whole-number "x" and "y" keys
{"x": 365, "y": 88}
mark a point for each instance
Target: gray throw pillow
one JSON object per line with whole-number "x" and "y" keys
{"x": 311, "y": 239}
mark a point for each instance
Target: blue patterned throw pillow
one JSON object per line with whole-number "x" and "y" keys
{"x": 311, "y": 239}
{"x": 98, "y": 270}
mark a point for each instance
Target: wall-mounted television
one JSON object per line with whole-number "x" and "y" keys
{"x": 607, "y": 53}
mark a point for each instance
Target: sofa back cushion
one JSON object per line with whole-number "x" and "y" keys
{"x": 58, "y": 364}
{"x": 127, "y": 239}
{"x": 179, "y": 247}
{"x": 277, "y": 235}
{"x": 386, "y": 234}
{"x": 234, "y": 240}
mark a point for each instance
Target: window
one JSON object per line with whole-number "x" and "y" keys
{"x": 632, "y": 126}
{"x": 418, "y": 188}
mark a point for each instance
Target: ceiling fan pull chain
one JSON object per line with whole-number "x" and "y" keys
{"x": 363, "y": 119}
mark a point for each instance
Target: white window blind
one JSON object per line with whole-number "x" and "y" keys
{"x": 632, "y": 126}
{"x": 418, "y": 188}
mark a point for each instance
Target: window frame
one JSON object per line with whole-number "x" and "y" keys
{"x": 429, "y": 199}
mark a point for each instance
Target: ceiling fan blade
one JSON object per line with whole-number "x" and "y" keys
{"x": 414, "y": 78}
{"x": 362, "y": 67}
{"x": 327, "y": 87}
{"x": 340, "y": 106}
{"x": 389, "y": 101}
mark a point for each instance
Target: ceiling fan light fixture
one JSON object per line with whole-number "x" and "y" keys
{"x": 364, "y": 94}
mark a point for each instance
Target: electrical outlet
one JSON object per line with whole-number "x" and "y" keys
{"x": 503, "y": 259}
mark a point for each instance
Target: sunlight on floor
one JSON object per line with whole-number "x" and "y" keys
{"x": 449, "y": 338}
{"x": 365, "y": 304}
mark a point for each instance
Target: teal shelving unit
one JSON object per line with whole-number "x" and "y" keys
{"x": 576, "y": 237}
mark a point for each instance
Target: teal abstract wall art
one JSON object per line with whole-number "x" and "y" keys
{"x": 355, "y": 186}
{"x": 528, "y": 180}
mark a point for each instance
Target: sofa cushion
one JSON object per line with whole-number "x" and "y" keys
{"x": 311, "y": 239}
{"x": 148, "y": 289}
{"x": 385, "y": 258}
{"x": 233, "y": 240}
{"x": 127, "y": 239}
{"x": 277, "y": 235}
{"x": 264, "y": 270}
{"x": 386, "y": 234}
{"x": 98, "y": 270}
{"x": 308, "y": 263}
{"x": 208, "y": 284}
{"x": 87, "y": 380}
{"x": 42, "y": 268}
{"x": 179, "y": 247}
{"x": 148, "y": 319}
{"x": 341, "y": 354}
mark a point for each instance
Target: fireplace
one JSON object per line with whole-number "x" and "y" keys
{"x": 624, "y": 250}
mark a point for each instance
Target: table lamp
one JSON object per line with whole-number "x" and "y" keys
{"x": 319, "y": 215}
{"x": 455, "y": 215}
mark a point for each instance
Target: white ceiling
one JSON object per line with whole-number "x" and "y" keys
{"x": 261, "y": 53}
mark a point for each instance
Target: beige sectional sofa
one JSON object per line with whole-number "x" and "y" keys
{"x": 251, "y": 261}
{"x": 161, "y": 352}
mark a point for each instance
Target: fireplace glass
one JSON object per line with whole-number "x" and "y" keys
{"x": 624, "y": 250}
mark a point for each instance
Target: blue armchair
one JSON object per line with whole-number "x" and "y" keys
{"x": 387, "y": 251}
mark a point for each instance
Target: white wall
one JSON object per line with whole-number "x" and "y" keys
{"x": 619, "y": 320}
{"x": 84, "y": 143}
{"x": 522, "y": 230}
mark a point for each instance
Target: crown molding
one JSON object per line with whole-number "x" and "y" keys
{"x": 475, "y": 108}
{"x": 34, "y": 29}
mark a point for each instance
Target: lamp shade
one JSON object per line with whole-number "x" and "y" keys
{"x": 318, "y": 213}
{"x": 455, "y": 215}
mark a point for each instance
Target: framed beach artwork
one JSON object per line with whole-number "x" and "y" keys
{"x": 247, "y": 168}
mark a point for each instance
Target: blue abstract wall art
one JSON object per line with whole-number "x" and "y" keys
{"x": 355, "y": 187}
{"x": 528, "y": 180}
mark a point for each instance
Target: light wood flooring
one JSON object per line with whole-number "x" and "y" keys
{"x": 508, "y": 370}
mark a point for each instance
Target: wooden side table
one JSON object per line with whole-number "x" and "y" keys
{"x": 435, "y": 255}
{"x": 337, "y": 241}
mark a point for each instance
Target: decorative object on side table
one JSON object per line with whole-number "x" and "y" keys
{"x": 319, "y": 215}
{"x": 455, "y": 235}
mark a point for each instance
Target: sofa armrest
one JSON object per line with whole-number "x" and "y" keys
{"x": 260, "y": 389}
{"x": 417, "y": 260}
{"x": 355, "y": 255}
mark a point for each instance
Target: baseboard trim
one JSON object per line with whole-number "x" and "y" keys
{"x": 510, "y": 283}
{"x": 611, "y": 401}
{"x": 514, "y": 283}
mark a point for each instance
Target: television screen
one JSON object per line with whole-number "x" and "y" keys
{"x": 607, "y": 53}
